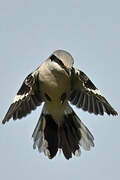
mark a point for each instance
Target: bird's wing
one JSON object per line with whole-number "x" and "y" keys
{"x": 85, "y": 95}
{"x": 26, "y": 100}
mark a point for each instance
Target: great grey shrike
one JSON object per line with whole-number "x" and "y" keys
{"x": 56, "y": 83}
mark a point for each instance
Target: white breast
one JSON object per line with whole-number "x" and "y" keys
{"x": 54, "y": 81}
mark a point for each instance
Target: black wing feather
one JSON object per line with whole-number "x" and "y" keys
{"x": 26, "y": 100}
{"x": 85, "y": 95}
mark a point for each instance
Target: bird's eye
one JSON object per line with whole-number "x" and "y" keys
{"x": 63, "y": 97}
{"x": 47, "y": 97}
{"x": 57, "y": 60}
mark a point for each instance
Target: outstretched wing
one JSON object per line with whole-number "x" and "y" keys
{"x": 85, "y": 95}
{"x": 26, "y": 100}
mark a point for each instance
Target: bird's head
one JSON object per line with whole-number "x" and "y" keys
{"x": 62, "y": 57}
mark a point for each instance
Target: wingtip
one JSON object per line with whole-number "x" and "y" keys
{"x": 7, "y": 117}
{"x": 4, "y": 121}
{"x": 115, "y": 113}
{"x": 111, "y": 111}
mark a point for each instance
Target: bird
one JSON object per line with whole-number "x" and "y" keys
{"x": 57, "y": 84}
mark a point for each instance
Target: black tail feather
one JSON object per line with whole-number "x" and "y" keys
{"x": 68, "y": 136}
{"x": 64, "y": 145}
{"x": 51, "y": 135}
{"x": 65, "y": 137}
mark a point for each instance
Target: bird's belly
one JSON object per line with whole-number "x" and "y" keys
{"x": 55, "y": 84}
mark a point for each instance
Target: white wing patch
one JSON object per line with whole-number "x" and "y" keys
{"x": 19, "y": 97}
{"x": 96, "y": 91}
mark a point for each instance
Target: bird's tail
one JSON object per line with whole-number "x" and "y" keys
{"x": 48, "y": 136}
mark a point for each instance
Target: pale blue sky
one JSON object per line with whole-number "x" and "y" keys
{"x": 29, "y": 32}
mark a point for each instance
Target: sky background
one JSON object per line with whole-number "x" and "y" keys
{"x": 29, "y": 32}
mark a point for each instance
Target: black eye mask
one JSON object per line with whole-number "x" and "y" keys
{"x": 58, "y": 61}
